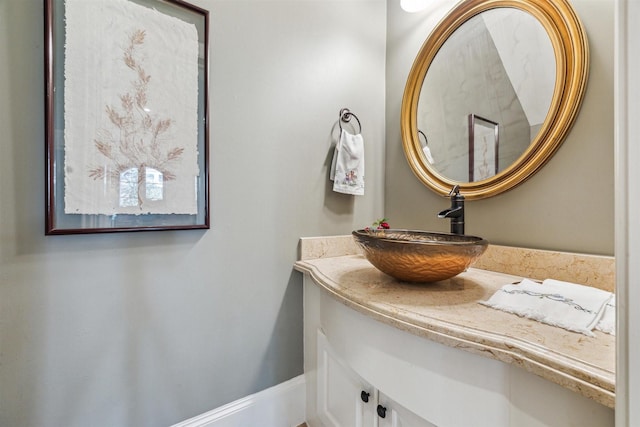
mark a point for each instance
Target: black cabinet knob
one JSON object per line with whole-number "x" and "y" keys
{"x": 382, "y": 411}
{"x": 364, "y": 396}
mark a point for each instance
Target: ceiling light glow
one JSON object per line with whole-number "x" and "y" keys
{"x": 413, "y": 5}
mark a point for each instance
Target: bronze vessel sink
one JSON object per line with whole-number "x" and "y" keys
{"x": 419, "y": 256}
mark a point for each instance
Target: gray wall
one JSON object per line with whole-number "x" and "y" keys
{"x": 568, "y": 205}
{"x": 148, "y": 329}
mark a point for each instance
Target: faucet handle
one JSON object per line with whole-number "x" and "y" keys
{"x": 455, "y": 191}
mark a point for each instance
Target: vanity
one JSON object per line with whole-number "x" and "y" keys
{"x": 379, "y": 352}
{"x": 475, "y": 123}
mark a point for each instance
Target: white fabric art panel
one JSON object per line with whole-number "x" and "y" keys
{"x": 131, "y": 110}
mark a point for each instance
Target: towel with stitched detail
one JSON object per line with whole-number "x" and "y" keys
{"x": 571, "y": 306}
{"x": 347, "y": 169}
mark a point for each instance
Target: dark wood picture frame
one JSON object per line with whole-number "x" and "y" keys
{"x": 478, "y": 168}
{"x": 166, "y": 150}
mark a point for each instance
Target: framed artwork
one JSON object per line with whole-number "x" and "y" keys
{"x": 126, "y": 110}
{"x": 484, "y": 144}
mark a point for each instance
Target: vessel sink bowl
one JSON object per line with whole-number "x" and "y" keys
{"x": 419, "y": 256}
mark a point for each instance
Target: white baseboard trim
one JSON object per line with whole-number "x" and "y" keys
{"x": 279, "y": 406}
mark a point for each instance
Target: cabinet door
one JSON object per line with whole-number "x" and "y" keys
{"x": 344, "y": 399}
{"x": 391, "y": 414}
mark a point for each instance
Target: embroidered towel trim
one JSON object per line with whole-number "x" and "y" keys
{"x": 566, "y": 305}
{"x": 347, "y": 168}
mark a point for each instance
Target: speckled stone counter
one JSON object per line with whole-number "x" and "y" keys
{"x": 448, "y": 311}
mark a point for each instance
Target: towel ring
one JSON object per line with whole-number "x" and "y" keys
{"x": 426, "y": 141}
{"x": 345, "y": 116}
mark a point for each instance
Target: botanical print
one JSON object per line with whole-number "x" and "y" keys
{"x": 131, "y": 97}
{"x": 134, "y": 144}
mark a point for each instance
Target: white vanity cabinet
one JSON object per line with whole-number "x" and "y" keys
{"x": 344, "y": 399}
{"x": 398, "y": 416}
{"x": 419, "y": 382}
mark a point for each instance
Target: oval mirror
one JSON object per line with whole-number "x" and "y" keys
{"x": 492, "y": 94}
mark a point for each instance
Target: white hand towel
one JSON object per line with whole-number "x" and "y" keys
{"x": 567, "y": 305}
{"x": 608, "y": 322}
{"x": 427, "y": 152}
{"x": 347, "y": 168}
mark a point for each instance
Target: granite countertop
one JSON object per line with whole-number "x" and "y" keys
{"x": 448, "y": 312}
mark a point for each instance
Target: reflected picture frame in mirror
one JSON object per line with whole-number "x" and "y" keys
{"x": 571, "y": 52}
{"x": 484, "y": 148}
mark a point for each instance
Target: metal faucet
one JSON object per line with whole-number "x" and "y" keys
{"x": 456, "y": 211}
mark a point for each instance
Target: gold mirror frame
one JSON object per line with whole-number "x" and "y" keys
{"x": 571, "y": 51}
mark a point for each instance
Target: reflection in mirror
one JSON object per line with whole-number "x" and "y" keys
{"x": 520, "y": 64}
{"x": 425, "y": 146}
{"x": 498, "y": 65}
{"x": 484, "y": 148}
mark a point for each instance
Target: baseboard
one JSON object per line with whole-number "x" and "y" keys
{"x": 279, "y": 406}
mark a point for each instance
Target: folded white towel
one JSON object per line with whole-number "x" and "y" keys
{"x": 347, "y": 168}
{"x": 608, "y": 322}
{"x": 567, "y": 305}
